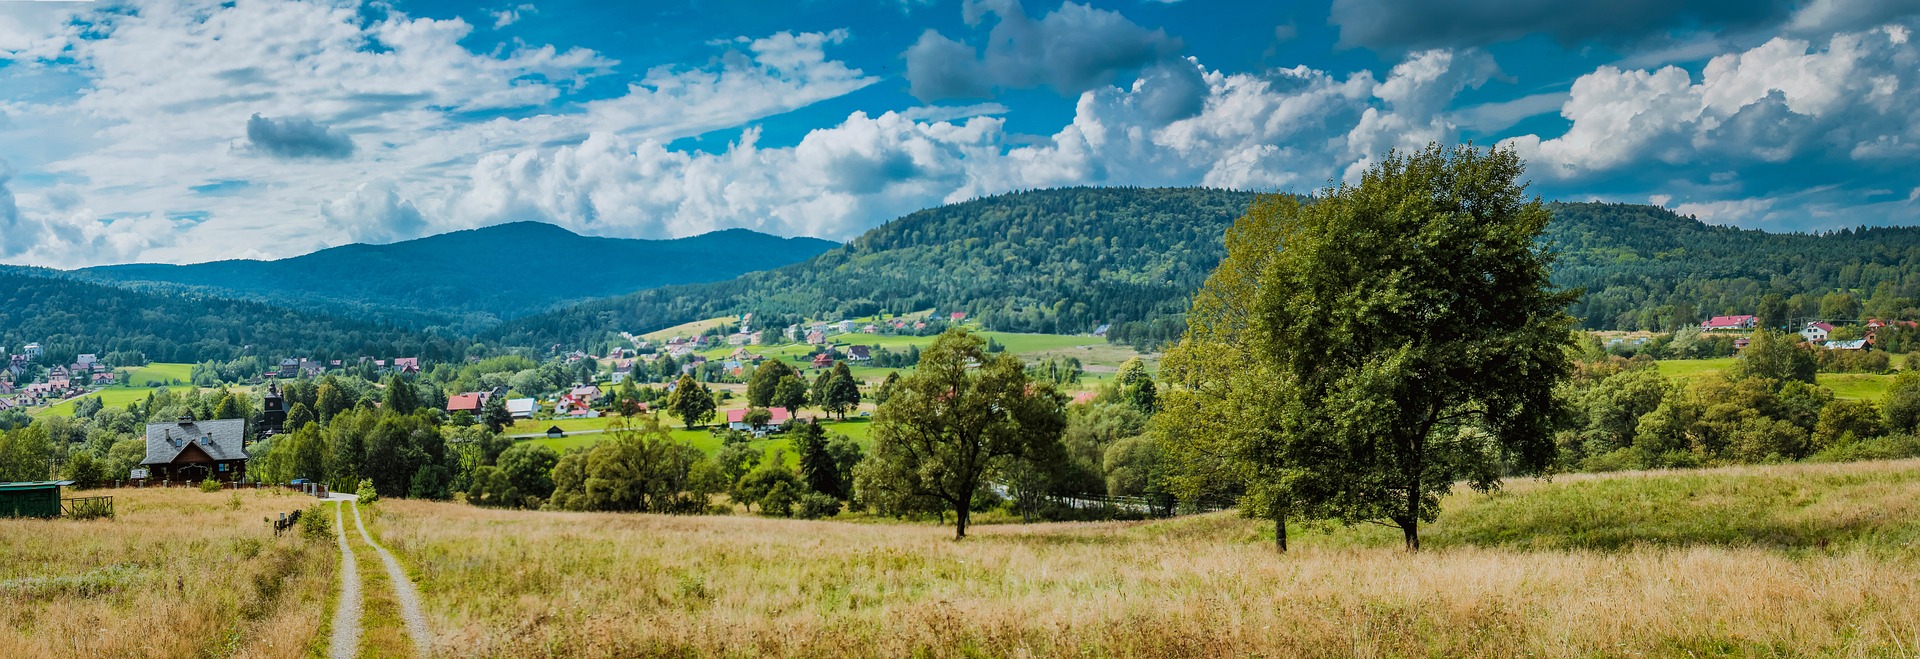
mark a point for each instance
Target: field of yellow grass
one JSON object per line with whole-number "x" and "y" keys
{"x": 178, "y": 573}
{"x": 1828, "y": 572}
{"x": 1795, "y": 560}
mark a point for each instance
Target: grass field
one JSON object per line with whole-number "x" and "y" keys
{"x": 179, "y": 573}
{"x": 1858, "y": 386}
{"x": 1778, "y": 561}
{"x": 110, "y": 397}
{"x": 157, "y": 373}
{"x": 1802, "y": 560}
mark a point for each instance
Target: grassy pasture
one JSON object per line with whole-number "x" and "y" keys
{"x": 179, "y": 573}
{"x": 1800, "y": 560}
{"x": 1858, "y": 386}
{"x": 158, "y": 373}
{"x": 109, "y": 396}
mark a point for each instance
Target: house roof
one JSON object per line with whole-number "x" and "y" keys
{"x": 521, "y": 404}
{"x": 588, "y": 391}
{"x": 1728, "y": 321}
{"x": 220, "y": 439}
{"x": 1821, "y": 326}
{"x": 859, "y": 352}
{"x": 467, "y": 402}
{"x": 1856, "y": 344}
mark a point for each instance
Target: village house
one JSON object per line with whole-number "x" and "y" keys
{"x": 1728, "y": 323}
{"x": 777, "y": 416}
{"x": 522, "y": 408}
{"x": 471, "y": 402}
{"x": 622, "y": 370}
{"x": 816, "y": 337}
{"x": 1816, "y": 332}
{"x": 32, "y": 351}
{"x": 189, "y": 450}
{"x": 844, "y": 327}
{"x": 957, "y": 316}
{"x": 1856, "y": 344}
{"x": 823, "y": 360}
{"x": 859, "y": 354}
{"x": 870, "y": 329}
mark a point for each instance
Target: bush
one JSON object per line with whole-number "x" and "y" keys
{"x": 1891, "y": 447}
{"x": 366, "y": 491}
{"x": 1616, "y": 460}
{"x": 814, "y": 505}
{"x": 210, "y": 485}
{"x": 779, "y": 500}
{"x": 315, "y": 522}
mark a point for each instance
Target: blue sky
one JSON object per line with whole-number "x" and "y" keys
{"x": 183, "y": 131}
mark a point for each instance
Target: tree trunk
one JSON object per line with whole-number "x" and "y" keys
{"x": 960, "y": 522}
{"x": 1410, "y": 526}
{"x": 1280, "y": 532}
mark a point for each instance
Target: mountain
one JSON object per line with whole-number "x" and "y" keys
{"x": 468, "y": 280}
{"x": 1069, "y": 260}
{"x": 69, "y": 317}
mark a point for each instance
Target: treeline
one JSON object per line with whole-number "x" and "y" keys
{"x": 69, "y": 317}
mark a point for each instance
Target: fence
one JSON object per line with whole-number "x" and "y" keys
{"x": 87, "y": 507}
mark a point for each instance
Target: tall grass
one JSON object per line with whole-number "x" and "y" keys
{"x": 1704, "y": 574}
{"x": 177, "y": 573}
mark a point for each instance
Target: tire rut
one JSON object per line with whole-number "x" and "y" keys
{"x": 403, "y": 589}
{"x": 346, "y": 615}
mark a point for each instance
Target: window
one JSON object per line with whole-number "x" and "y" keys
{"x": 223, "y": 466}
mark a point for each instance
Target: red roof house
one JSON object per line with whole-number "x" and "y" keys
{"x": 1728, "y": 323}
{"x": 471, "y": 402}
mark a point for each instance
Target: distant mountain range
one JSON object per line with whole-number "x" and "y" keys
{"x": 465, "y": 281}
{"x": 1072, "y": 260}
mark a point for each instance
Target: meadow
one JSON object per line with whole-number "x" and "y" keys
{"x": 140, "y": 382}
{"x": 1798, "y": 560}
{"x": 178, "y": 573}
{"x": 1855, "y": 386}
{"x": 1793, "y": 560}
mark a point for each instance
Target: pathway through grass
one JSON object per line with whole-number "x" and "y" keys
{"x": 346, "y": 614}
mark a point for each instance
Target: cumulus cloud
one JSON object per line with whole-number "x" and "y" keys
{"x": 1071, "y": 50}
{"x": 1416, "y": 24}
{"x": 1854, "y": 97}
{"x": 17, "y": 234}
{"x": 375, "y": 213}
{"x": 295, "y": 138}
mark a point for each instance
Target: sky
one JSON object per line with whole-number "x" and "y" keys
{"x": 182, "y": 131}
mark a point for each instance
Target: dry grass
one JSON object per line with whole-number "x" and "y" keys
{"x": 179, "y": 573}
{"x": 500, "y": 583}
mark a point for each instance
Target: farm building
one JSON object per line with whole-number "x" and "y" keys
{"x": 737, "y": 419}
{"x": 189, "y": 450}
{"x": 31, "y": 499}
{"x": 1728, "y": 323}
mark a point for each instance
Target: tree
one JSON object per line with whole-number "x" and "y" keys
{"x": 641, "y": 469}
{"x": 495, "y": 415}
{"x": 1136, "y": 386}
{"x": 691, "y": 401}
{"x": 1902, "y": 404}
{"x": 818, "y": 393}
{"x": 885, "y": 391}
{"x": 1772, "y": 312}
{"x": 1776, "y": 356}
{"x": 790, "y": 393}
{"x": 329, "y": 401}
{"x": 770, "y": 483}
{"x": 766, "y": 382}
{"x": 1409, "y": 338}
{"x": 817, "y": 465}
{"x": 949, "y": 424}
{"x": 1209, "y": 441}
{"x": 85, "y": 471}
{"x": 298, "y": 416}
{"x": 843, "y": 393}
{"x": 528, "y": 469}
{"x": 400, "y": 398}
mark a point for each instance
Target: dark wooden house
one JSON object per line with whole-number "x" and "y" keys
{"x": 189, "y": 450}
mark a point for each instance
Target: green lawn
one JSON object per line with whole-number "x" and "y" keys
{"x": 1857, "y": 386}
{"x": 115, "y": 397}
{"x": 152, "y": 374}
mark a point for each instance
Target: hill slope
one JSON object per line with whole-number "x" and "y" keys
{"x": 70, "y": 317}
{"x": 467, "y": 280}
{"x": 1069, "y": 260}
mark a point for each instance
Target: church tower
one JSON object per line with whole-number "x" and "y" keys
{"x": 273, "y": 412}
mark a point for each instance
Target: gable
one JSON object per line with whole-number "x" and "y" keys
{"x": 192, "y": 453}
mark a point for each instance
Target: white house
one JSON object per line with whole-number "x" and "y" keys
{"x": 522, "y": 408}
{"x": 1816, "y": 332}
{"x": 737, "y": 419}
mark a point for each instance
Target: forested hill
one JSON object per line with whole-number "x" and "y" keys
{"x": 1647, "y": 268}
{"x": 1070, "y": 260}
{"x": 469, "y": 280}
{"x": 70, "y": 317}
{"x": 1062, "y": 261}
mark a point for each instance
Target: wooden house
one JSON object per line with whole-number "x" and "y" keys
{"x": 190, "y": 450}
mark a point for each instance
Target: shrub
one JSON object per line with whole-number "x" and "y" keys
{"x": 1891, "y": 447}
{"x": 366, "y": 491}
{"x": 779, "y": 500}
{"x": 209, "y": 485}
{"x": 814, "y": 505}
{"x": 315, "y": 522}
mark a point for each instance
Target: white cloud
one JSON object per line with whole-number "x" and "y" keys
{"x": 1853, "y": 97}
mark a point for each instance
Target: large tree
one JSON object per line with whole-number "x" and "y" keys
{"x": 1405, "y": 338}
{"x": 961, "y": 415}
{"x": 766, "y": 382}
{"x": 843, "y": 392}
{"x": 691, "y": 401}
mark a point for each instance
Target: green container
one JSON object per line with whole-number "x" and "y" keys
{"x": 31, "y": 499}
